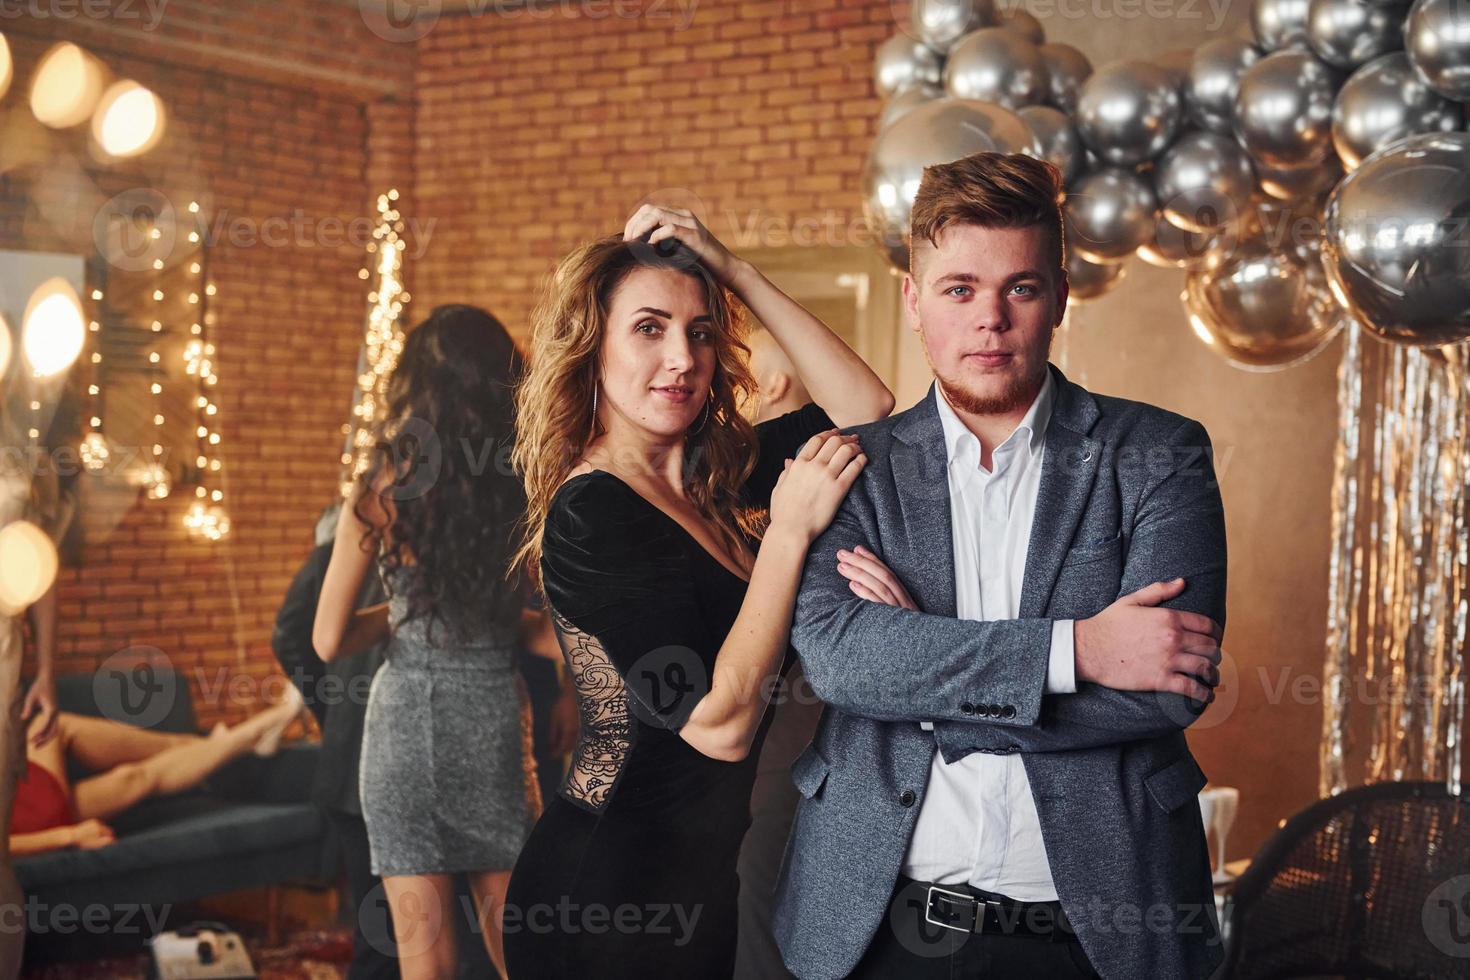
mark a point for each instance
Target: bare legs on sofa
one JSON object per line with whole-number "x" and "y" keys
{"x": 137, "y": 763}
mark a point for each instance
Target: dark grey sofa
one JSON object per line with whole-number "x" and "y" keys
{"x": 250, "y": 825}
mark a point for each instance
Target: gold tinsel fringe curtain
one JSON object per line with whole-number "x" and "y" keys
{"x": 1397, "y": 603}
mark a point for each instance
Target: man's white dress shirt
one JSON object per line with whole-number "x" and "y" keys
{"x": 978, "y": 821}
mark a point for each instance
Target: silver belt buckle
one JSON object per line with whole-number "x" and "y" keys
{"x": 929, "y": 904}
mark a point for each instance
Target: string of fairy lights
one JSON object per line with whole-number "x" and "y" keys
{"x": 206, "y": 517}
{"x": 382, "y": 338}
{"x": 93, "y": 449}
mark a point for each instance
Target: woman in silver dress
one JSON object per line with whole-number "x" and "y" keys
{"x": 444, "y": 777}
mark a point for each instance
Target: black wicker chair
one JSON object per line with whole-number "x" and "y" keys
{"x": 1344, "y": 889}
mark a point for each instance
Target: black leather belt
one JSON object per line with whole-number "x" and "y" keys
{"x": 987, "y": 913}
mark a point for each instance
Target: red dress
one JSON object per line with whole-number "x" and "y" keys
{"x": 41, "y": 802}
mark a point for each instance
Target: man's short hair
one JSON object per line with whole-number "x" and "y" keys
{"x": 993, "y": 190}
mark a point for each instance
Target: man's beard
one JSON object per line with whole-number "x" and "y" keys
{"x": 1019, "y": 391}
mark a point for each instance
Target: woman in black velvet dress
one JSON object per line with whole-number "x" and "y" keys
{"x": 671, "y": 589}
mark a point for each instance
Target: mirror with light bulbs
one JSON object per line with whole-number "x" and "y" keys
{"x": 107, "y": 380}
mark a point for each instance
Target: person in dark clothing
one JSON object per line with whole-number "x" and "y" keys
{"x": 794, "y": 720}
{"x": 337, "y": 696}
{"x": 642, "y": 486}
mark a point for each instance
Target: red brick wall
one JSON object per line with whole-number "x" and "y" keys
{"x": 257, "y": 144}
{"x": 535, "y": 134}
{"x": 511, "y": 137}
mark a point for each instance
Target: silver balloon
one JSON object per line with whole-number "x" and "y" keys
{"x": 1214, "y": 78}
{"x": 899, "y": 105}
{"x": 1279, "y": 23}
{"x": 1128, "y": 111}
{"x": 1349, "y": 33}
{"x": 1109, "y": 214}
{"x": 1023, "y": 23}
{"x": 903, "y": 63}
{"x": 934, "y": 132}
{"x": 1089, "y": 280}
{"x": 1066, "y": 70}
{"x": 997, "y": 65}
{"x": 1262, "y": 302}
{"x": 1060, "y": 145}
{"x": 1171, "y": 247}
{"x": 1203, "y": 181}
{"x": 1398, "y": 243}
{"x": 1299, "y": 183}
{"x": 1437, "y": 37}
{"x": 1386, "y": 100}
{"x": 1283, "y": 110}
{"x": 940, "y": 23}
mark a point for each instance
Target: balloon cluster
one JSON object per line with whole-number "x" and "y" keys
{"x": 1316, "y": 172}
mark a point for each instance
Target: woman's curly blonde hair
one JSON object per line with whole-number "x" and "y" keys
{"x": 554, "y": 402}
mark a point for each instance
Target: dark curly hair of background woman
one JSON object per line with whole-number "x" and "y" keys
{"x": 447, "y": 440}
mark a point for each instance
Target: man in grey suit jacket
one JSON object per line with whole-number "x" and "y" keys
{"x": 1012, "y": 619}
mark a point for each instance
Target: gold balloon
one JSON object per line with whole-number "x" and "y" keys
{"x": 1262, "y": 301}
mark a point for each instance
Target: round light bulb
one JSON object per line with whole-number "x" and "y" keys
{"x": 129, "y": 120}
{"x": 54, "y": 330}
{"x": 27, "y": 566}
{"x": 66, "y": 86}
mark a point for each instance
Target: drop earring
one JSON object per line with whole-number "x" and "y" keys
{"x": 705, "y": 421}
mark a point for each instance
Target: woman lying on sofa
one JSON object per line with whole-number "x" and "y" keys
{"x": 131, "y": 764}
